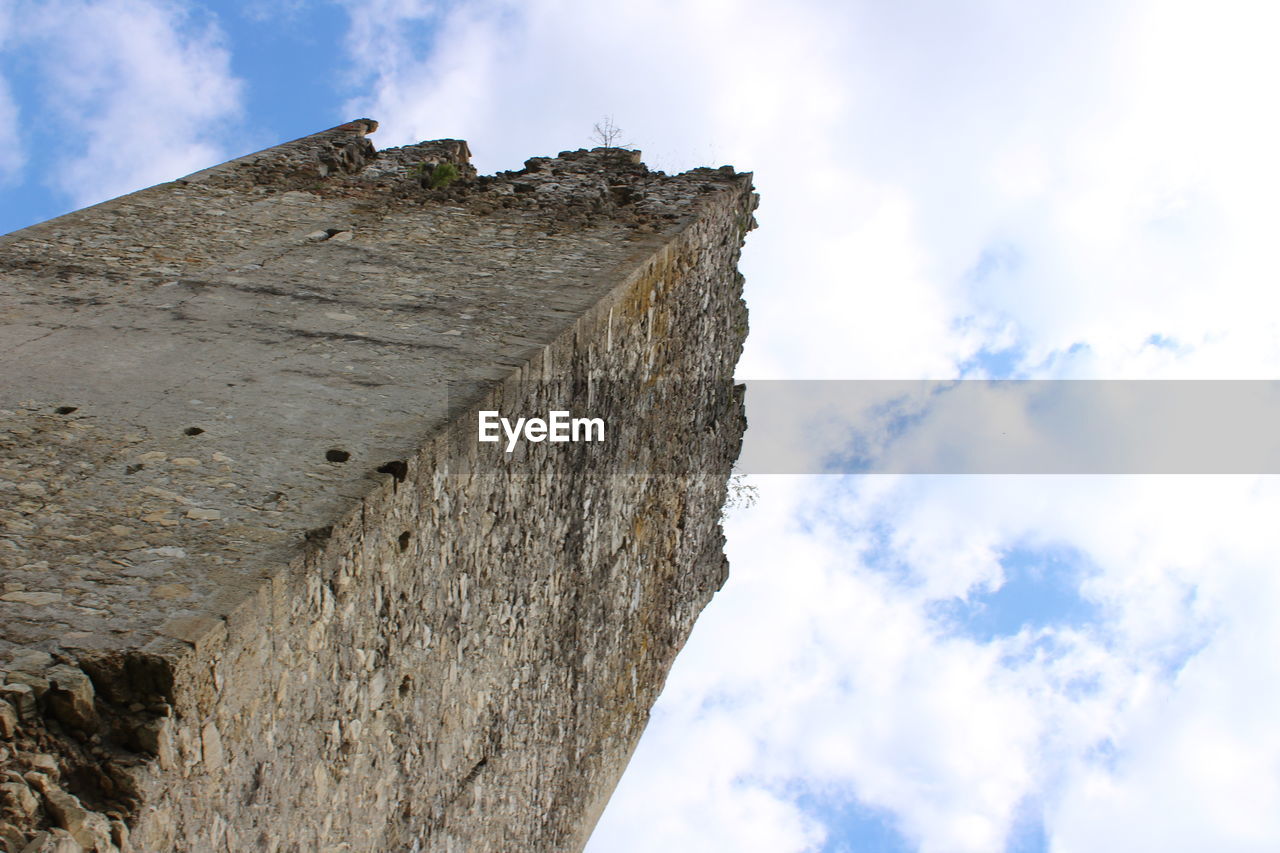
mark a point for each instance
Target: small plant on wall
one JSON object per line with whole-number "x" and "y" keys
{"x": 434, "y": 176}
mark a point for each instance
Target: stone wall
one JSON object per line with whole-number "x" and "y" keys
{"x": 262, "y": 589}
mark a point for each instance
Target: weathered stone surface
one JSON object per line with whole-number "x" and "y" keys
{"x": 38, "y": 683}
{"x": 12, "y": 839}
{"x": 53, "y": 841}
{"x": 19, "y": 799}
{"x": 90, "y": 829}
{"x": 285, "y": 601}
{"x": 33, "y": 598}
{"x": 8, "y": 720}
{"x": 71, "y": 697}
{"x": 30, "y": 660}
{"x": 21, "y": 698}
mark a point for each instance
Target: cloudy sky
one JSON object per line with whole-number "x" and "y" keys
{"x": 990, "y": 188}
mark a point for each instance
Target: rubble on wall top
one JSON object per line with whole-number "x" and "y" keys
{"x": 570, "y": 190}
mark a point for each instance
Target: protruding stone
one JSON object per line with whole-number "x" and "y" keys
{"x": 90, "y": 829}
{"x": 39, "y": 684}
{"x": 22, "y": 698}
{"x": 71, "y": 697}
{"x": 19, "y": 799}
{"x": 211, "y": 742}
{"x": 156, "y": 737}
{"x": 120, "y": 835}
{"x": 12, "y": 839}
{"x": 53, "y": 841}
{"x": 8, "y": 720}
{"x": 44, "y": 762}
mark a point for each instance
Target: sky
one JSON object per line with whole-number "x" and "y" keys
{"x": 985, "y": 189}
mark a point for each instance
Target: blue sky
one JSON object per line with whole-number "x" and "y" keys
{"x": 280, "y": 60}
{"x": 1040, "y": 190}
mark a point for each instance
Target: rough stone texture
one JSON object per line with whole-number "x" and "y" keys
{"x": 262, "y": 589}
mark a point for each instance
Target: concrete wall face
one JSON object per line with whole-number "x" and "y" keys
{"x": 263, "y": 589}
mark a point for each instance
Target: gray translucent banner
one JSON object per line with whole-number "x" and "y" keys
{"x": 885, "y": 427}
{"x": 1012, "y": 427}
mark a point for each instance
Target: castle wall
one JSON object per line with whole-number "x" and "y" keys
{"x": 264, "y": 588}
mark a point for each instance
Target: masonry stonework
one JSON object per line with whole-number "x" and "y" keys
{"x": 262, "y": 589}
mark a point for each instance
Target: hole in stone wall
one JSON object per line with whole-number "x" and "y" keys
{"x": 397, "y": 469}
{"x": 66, "y": 410}
{"x": 622, "y": 194}
{"x": 404, "y": 540}
{"x": 406, "y": 685}
{"x": 336, "y": 455}
{"x": 193, "y": 430}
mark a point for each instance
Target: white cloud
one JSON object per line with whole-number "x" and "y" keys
{"x": 1146, "y": 214}
{"x": 833, "y": 681}
{"x": 937, "y": 180}
{"x": 827, "y": 671}
{"x": 139, "y": 81}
